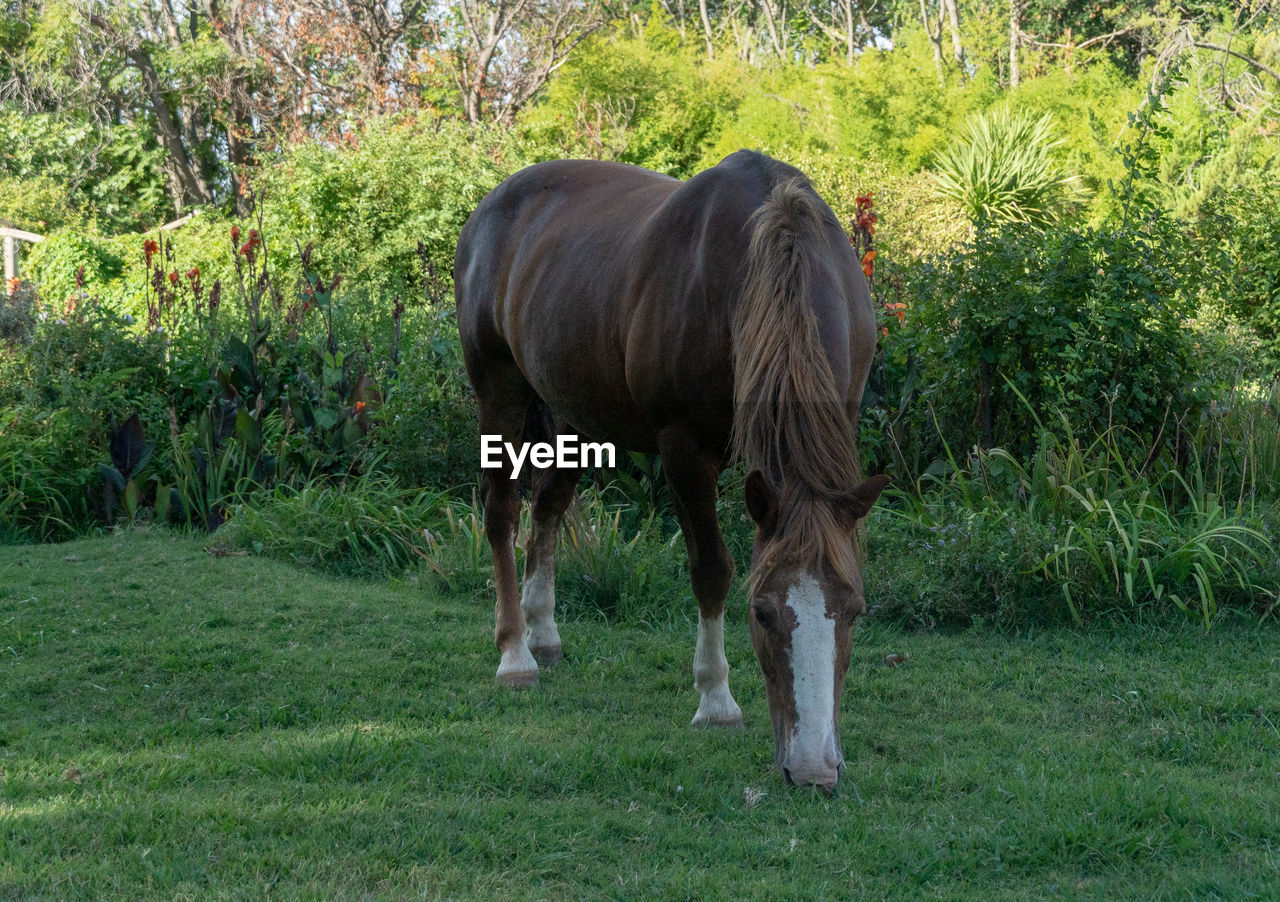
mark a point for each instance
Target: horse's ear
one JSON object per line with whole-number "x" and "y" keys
{"x": 762, "y": 501}
{"x": 857, "y": 504}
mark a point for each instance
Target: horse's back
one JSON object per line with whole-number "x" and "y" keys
{"x": 585, "y": 273}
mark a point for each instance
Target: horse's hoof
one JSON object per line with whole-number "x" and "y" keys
{"x": 519, "y": 679}
{"x": 724, "y": 721}
{"x": 547, "y": 655}
{"x": 518, "y": 669}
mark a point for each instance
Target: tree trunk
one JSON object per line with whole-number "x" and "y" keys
{"x": 1015, "y": 29}
{"x": 935, "y": 37}
{"x": 848, "y": 31}
{"x": 191, "y": 185}
{"x": 953, "y": 19}
{"x": 706, "y": 28}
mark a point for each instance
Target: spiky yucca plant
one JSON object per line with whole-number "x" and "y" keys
{"x": 999, "y": 169}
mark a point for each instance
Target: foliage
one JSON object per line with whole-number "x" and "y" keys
{"x": 1000, "y": 171}
{"x": 79, "y": 375}
{"x": 1082, "y": 529}
{"x": 17, "y": 311}
{"x": 71, "y": 263}
{"x": 366, "y": 526}
{"x": 40, "y": 489}
{"x": 641, "y": 97}
{"x": 403, "y": 182}
{"x": 428, "y": 429}
{"x": 1090, "y": 322}
{"x": 1236, "y": 232}
{"x": 605, "y": 570}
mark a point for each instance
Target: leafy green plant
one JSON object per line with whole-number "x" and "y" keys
{"x": 1000, "y": 169}
{"x": 36, "y": 491}
{"x": 130, "y": 453}
{"x": 457, "y": 552}
{"x": 1081, "y": 528}
{"x": 364, "y": 526}
{"x": 606, "y": 570}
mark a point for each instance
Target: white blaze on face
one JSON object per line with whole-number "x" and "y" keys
{"x": 813, "y": 657}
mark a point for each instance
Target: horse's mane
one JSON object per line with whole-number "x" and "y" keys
{"x": 790, "y": 421}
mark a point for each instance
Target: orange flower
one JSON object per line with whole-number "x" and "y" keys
{"x": 867, "y": 270}
{"x": 868, "y": 257}
{"x": 13, "y": 285}
{"x": 359, "y": 407}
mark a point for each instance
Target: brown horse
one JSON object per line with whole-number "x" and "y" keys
{"x": 726, "y": 315}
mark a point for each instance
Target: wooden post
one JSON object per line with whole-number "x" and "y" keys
{"x": 11, "y": 239}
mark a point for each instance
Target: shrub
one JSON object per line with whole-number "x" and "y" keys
{"x": 428, "y": 430}
{"x": 366, "y": 526}
{"x": 1014, "y": 322}
{"x": 1000, "y": 169}
{"x": 1081, "y": 530}
{"x": 41, "y": 490}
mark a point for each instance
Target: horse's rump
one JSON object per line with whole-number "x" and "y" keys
{"x": 614, "y": 290}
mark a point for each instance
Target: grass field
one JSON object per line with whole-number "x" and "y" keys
{"x": 179, "y": 725}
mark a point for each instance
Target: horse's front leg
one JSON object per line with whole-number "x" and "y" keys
{"x": 692, "y": 475}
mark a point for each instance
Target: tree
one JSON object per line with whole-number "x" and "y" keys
{"x": 505, "y": 50}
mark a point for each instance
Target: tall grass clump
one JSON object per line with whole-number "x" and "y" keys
{"x": 1000, "y": 169}
{"x": 363, "y": 527}
{"x": 609, "y": 570}
{"x": 611, "y": 565}
{"x": 1080, "y": 530}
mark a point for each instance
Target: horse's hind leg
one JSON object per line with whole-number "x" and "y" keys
{"x": 692, "y": 475}
{"x": 553, "y": 491}
{"x": 504, "y": 399}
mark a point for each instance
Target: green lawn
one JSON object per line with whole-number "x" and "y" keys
{"x": 178, "y": 725}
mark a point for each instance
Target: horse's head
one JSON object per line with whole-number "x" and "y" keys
{"x": 802, "y": 608}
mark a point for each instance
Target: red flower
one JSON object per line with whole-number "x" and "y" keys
{"x": 235, "y": 233}
{"x": 150, "y": 247}
{"x": 173, "y": 278}
{"x": 193, "y": 273}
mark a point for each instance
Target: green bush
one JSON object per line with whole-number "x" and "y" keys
{"x": 41, "y": 482}
{"x": 1078, "y": 529}
{"x": 428, "y": 430}
{"x": 1018, "y": 321}
{"x": 1000, "y": 169}
{"x": 403, "y": 181}
{"x": 366, "y": 526}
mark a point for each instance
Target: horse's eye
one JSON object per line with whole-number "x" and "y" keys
{"x": 764, "y": 615}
